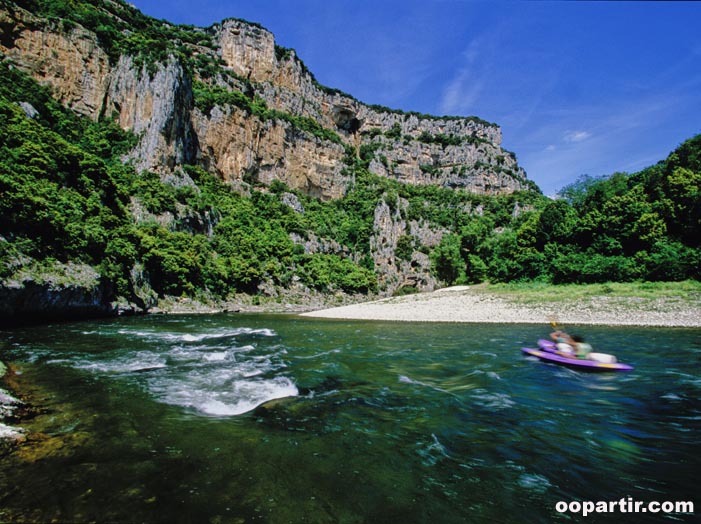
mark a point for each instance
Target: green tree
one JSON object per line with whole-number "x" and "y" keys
{"x": 684, "y": 193}
{"x": 556, "y": 223}
{"x": 405, "y": 247}
{"x": 446, "y": 260}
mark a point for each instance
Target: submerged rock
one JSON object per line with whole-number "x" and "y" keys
{"x": 8, "y": 407}
{"x": 8, "y": 404}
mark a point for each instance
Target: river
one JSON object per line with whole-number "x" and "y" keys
{"x": 282, "y": 419}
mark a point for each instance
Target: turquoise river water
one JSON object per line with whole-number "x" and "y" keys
{"x": 283, "y": 419}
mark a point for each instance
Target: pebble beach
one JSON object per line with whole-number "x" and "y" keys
{"x": 472, "y": 305}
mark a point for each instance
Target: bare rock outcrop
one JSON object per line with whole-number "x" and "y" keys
{"x": 394, "y": 272}
{"x": 70, "y": 61}
{"x": 411, "y": 148}
{"x": 62, "y": 291}
{"x": 244, "y": 148}
{"x": 157, "y": 102}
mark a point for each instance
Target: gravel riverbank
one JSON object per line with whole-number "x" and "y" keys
{"x": 467, "y": 304}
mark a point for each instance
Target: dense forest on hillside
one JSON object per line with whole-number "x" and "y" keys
{"x": 67, "y": 196}
{"x": 623, "y": 227}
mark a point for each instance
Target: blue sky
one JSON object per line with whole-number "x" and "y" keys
{"x": 577, "y": 87}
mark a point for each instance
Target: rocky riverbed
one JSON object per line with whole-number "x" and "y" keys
{"x": 9, "y": 405}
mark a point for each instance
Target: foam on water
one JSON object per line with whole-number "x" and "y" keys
{"x": 496, "y": 401}
{"x": 8, "y": 404}
{"x": 317, "y": 355}
{"x": 9, "y": 432}
{"x": 433, "y": 452}
{"x": 198, "y": 337}
{"x": 534, "y": 482}
{"x": 216, "y": 357}
{"x": 671, "y": 396}
{"x": 225, "y": 396}
{"x": 211, "y": 372}
{"x": 406, "y": 380}
{"x": 7, "y": 399}
{"x": 129, "y": 362}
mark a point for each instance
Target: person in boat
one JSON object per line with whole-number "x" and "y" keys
{"x": 581, "y": 348}
{"x": 571, "y": 346}
{"x": 564, "y": 342}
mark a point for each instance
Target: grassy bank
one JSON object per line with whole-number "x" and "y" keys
{"x": 639, "y": 295}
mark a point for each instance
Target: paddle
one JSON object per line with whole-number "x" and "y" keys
{"x": 553, "y": 323}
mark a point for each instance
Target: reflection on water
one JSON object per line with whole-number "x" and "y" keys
{"x": 251, "y": 418}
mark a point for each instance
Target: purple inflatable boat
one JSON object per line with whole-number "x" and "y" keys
{"x": 547, "y": 351}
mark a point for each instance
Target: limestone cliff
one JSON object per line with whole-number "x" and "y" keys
{"x": 229, "y": 100}
{"x": 70, "y": 61}
{"x": 157, "y": 102}
{"x": 412, "y": 148}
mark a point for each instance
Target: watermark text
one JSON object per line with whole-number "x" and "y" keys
{"x": 624, "y": 505}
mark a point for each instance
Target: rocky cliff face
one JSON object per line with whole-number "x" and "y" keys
{"x": 71, "y": 62}
{"x": 393, "y": 272}
{"x": 249, "y": 111}
{"x": 414, "y": 149}
{"x": 241, "y": 147}
{"x": 155, "y": 106}
{"x": 157, "y": 103}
